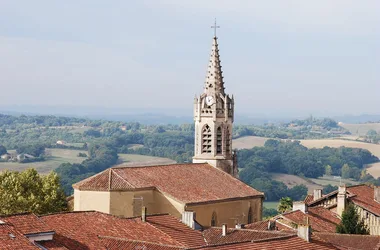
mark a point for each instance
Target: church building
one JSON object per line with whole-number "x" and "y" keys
{"x": 208, "y": 187}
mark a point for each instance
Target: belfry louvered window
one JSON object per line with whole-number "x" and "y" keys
{"x": 219, "y": 140}
{"x": 206, "y": 139}
{"x": 228, "y": 143}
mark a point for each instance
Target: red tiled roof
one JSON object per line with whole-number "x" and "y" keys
{"x": 263, "y": 225}
{"x": 11, "y": 239}
{"x": 52, "y": 245}
{"x": 284, "y": 242}
{"x": 363, "y": 196}
{"x": 125, "y": 244}
{"x": 79, "y": 230}
{"x": 187, "y": 183}
{"x": 27, "y": 223}
{"x": 320, "y": 218}
{"x": 177, "y": 230}
{"x": 213, "y": 236}
{"x": 351, "y": 241}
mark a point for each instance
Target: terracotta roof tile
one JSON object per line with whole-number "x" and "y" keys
{"x": 320, "y": 218}
{"x": 359, "y": 242}
{"x": 285, "y": 242}
{"x": 213, "y": 236}
{"x": 79, "y": 230}
{"x": 187, "y": 183}
{"x": 11, "y": 239}
{"x": 116, "y": 244}
{"x": 263, "y": 225}
{"x": 52, "y": 245}
{"x": 27, "y": 223}
{"x": 178, "y": 231}
{"x": 363, "y": 196}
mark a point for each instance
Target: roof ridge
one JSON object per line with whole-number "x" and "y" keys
{"x": 141, "y": 241}
{"x": 114, "y": 172}
{"x": 89, "y": 178}
{"x": 163, "y": 165}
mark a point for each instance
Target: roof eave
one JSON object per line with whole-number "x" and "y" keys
{"x": 225, "y": 200}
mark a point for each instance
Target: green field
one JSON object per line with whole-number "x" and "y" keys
{"x": 59, "y": 156}
{"x": 325, "y": 180}
{"x": 271, "y": 204}
{"x": 146, "y": 160}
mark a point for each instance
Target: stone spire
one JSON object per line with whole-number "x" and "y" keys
{"x": 214, "y": 78}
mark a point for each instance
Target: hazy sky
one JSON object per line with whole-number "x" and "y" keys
{"x": 286, "y": 56}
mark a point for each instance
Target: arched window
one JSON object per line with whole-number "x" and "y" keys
{"x": 250, "y": 218}
{"x": 206, "y": 139}
{"x": 228, "y": 142}
{"x": 219, "y": 141}
{"x": 213, "y": 219}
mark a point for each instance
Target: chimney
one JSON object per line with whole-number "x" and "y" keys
{"x": 300, "y": 205}
{"x": 271, "y": 225}
{"x": 238, "y": 226}
{"x": 143, "y": 214}
{"x": 341, "y": 199}
{"x": 317, "y": 194}
{"x": 188, "y": 218}
{"x": 224, "y": 229}
{"x": 304, "y": 231}
{"x": 376, "y": 192}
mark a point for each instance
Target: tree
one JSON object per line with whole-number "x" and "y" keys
{"x": 345, "y": 171}
{"x": 351, "y": 223}
{"x": 3, "y": 150}
{"x": 328, "y": 170}
{"x": 28, "y": 191}
{"x": 329, "y": 188}
{"x": 286, "y": 203}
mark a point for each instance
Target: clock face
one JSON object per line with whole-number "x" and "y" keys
{"x": 209, "y": 100}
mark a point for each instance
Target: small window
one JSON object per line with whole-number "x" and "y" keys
{"x": 250, "y": 219}
{"x": 213, "y": 219}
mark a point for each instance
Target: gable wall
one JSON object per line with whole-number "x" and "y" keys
{"x": 91, "y": 200}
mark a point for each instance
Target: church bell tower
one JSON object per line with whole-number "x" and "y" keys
{"x": 213, "y": 117}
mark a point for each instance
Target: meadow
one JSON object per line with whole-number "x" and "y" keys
{"x": 58, "y": 156}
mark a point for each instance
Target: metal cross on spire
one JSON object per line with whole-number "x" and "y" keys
{"x": 215, "y": 27}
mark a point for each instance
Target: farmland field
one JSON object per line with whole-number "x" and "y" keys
{"x": 143, "y": 160}
{"x": 249, "y": 142}
{"x": 59, "y": 156}
{"x": 293, "y": 180}
{"x": 270, "y": 204}
{"x": 361, "y": 129}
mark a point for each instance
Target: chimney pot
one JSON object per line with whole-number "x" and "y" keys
{"x": 224, "y": 229}
{"x": 317, "y": 194}
{"x": 304, "y": 232}
{"x": 143, "y": 214}
{"x": 341, "y": 200}
{"x": 300, "y": 205}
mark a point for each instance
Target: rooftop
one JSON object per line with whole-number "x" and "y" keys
{"x": 320, "y": 219}
{"x": 187, "y": 183}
